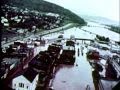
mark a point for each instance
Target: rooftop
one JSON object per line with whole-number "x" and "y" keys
{"x": 30, "y": 74}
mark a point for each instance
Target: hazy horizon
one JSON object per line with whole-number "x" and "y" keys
{"x": 103, "y": 8}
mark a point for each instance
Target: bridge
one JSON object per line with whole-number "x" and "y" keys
{"x": 84, "y": 39}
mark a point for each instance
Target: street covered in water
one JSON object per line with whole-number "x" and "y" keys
{"x": 98, "y": 73}
{"x": 82, "y": 75}
{"x": 74, "y": 77}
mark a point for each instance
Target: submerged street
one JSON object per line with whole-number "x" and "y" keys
{"x": 74, "y": 77}
{"x": 82, "y": 75}
{"x": 59, "y": 45}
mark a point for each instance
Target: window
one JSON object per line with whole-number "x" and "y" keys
{"x": 27, "y": 87}
{"x": 21, "y": 85}
{"x": 14, "y": 85}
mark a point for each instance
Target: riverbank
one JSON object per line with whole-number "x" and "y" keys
{"x": 39, "y": 33}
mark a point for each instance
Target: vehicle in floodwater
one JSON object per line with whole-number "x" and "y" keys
{"x": 68, "y": 54}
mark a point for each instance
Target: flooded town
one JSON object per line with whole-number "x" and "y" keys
{"x": 56, "y": 56}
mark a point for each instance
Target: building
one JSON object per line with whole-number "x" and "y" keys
{"x": 27, "y": 81}
{"x": 8, "y": 65}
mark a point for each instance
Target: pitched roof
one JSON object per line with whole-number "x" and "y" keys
{"x": 30, "y": 74}
{"x": 117, "y": 87}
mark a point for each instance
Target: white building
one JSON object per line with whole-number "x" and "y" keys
{"x": 27, "y": 81}
{"x": 4, "y": 21}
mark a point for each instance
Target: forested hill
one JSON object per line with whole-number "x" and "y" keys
{"x": 43, "y": 6}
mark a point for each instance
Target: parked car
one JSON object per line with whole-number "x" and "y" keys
{"x": 93, "y": 54}
{"x": 67, "y": 57}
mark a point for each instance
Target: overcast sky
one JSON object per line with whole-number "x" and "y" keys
{"x": 103, "y": 8}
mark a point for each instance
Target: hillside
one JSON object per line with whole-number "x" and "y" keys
{"x": 114, "y": 28}
{"x": 43, "y": 6}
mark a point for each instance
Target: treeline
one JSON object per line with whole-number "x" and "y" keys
{"x": 114, "y": 28}
{"x": 102, "y": 38}
{"x": 43, "y": 6}
{"x": 118, "y": 42}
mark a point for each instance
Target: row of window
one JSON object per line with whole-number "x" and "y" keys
{"x": 21, "y": 85}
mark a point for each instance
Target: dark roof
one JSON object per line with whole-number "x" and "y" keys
{"x": 117, "y": 87}
{"x": 30, "y": 74}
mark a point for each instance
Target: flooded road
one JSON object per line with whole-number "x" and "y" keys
{"x": 80, "y": 75}
{"x": 74, "y": 77}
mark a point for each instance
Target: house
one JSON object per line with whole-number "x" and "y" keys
{"x": 4, "y": 21}
{"x": 8, "y": 65}
{"x": 27, "y": 81}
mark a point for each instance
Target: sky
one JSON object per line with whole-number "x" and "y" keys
{"x": 104, "y": 8}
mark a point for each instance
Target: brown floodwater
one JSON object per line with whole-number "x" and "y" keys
{"x": 74, "y": 77}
